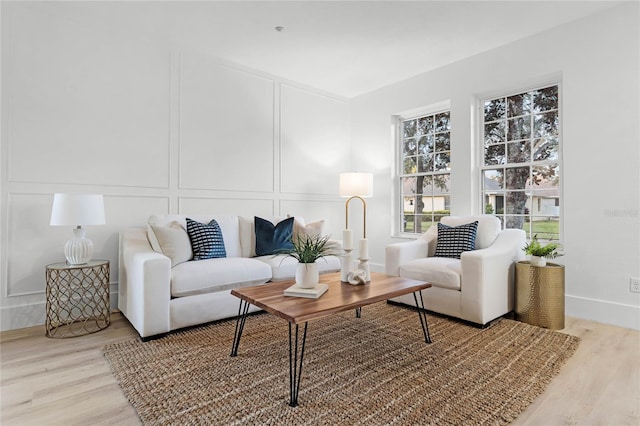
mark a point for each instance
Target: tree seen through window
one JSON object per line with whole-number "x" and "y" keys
{"x": 426, "y": 170}
{"x": 521, "y": 163}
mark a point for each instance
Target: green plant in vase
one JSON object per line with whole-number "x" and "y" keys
{"x": 307, "y": 249}
{"x": 540, "y": 253}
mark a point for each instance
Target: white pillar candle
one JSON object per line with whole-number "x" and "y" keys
{"x": 347, "y": 239}
{"x": 364, "y": 249}
{"x": 345, "y": 267}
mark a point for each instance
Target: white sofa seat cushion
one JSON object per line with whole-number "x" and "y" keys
{"x": 206, "y": 276}
{"x": 283, "y": 267}
{"x": 439, "y": 271}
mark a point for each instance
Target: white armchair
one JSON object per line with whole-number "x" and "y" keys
{"x": 478, "y": 287}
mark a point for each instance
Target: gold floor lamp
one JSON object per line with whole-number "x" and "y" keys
{"x": 355, "y": 185}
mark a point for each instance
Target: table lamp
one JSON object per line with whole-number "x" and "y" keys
{"x": 356, "y": 185}
{"x": 77, "y": 210}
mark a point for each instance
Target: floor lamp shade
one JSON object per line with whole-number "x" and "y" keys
{"x": 356, "y": 184}
{"x": 78, "y": 210}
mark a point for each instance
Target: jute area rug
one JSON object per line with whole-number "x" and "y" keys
{"x": 376, "y": 370}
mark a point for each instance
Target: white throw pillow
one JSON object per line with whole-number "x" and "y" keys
{"x": 174, "y": 242}
{"x": 312, "y": 229}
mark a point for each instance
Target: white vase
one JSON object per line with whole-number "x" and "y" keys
{"x": 307, "y": 275}
{"x": 538, "y": 261}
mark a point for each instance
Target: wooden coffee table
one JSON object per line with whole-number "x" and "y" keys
{"x": 338, "y": 298}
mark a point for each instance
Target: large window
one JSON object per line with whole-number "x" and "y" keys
{"x": 425, "y": 170}
{"x": 521, "y": 161}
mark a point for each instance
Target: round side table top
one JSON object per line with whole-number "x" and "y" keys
{"x": 549, "y": 264}
{"x": 90, "y": 264}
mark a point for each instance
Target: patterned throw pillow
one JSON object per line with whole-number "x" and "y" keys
{"x": 206, "y": 240}
{"x": 453, "y": 240}
{"x": 273, "y": 239}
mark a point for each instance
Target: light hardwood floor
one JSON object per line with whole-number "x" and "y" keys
{"x": 68, "y": 382}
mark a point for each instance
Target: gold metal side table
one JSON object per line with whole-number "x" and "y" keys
{"x": 540, "y": 295}
{"x": 77, "y": 298}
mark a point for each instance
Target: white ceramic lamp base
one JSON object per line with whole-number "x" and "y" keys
{"x": 78, "y": 250}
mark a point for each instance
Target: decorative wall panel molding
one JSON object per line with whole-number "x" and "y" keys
{"x": 332, "y": 212}
{"x": 224, "y": 206}
{"x": 95, "y": 102}
{"x": 314, "y": 141}
{"x": 226, "y": 127}
{"x": 153, "y": 128}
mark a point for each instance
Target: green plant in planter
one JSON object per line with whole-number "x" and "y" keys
{"x": 309, "y": 248}
{"x": 534, "y": 248}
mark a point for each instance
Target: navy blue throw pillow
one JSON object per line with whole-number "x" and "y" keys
{"x": 206, "y": 240}
{"x": 273, "y": 239}
{"x": 453, "y": 240}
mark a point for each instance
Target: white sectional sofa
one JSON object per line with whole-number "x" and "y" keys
{"x": 160, "y": 290}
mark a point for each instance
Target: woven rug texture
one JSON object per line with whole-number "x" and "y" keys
{"x": 375, "y": 370}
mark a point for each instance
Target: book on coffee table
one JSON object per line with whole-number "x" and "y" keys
{"x": 312, "y": 293}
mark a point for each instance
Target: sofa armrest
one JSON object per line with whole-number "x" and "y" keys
{"x": 397, "y": 254}
{"x": 144, "y": 290}
{"x": 488, "y": 275}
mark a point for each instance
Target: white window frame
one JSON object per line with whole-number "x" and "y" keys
{"x": 397, "y": 213}
{"x": 482, "y": 168}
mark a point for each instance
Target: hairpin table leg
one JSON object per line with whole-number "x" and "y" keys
{"x": 423, "y": 316}
{"x": 295, "y": 367}
{"x": 243, "y": 310}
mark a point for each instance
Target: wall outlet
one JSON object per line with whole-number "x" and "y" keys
{"x": 634, "y": 285}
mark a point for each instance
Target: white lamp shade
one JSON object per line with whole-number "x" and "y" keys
{"x": 356, "y": 183}
{"x": 77, "y": 210}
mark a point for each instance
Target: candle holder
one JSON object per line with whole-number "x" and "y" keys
{"x": 363, "y": 265}
{"x": 345, "y": 266}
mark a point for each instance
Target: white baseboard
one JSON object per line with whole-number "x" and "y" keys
{"x": 23, "y": 316}
{"x": 33, "y": 314}
{"x": 618, "y": 314}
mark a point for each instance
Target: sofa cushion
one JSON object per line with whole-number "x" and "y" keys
{"x": 283, "y": 267}
{"x": 439, "y": 271}
{"x": 228, "y": 225}
{"x": 218, "y": 274}
{"x": 453, "y": 240}
{"x": 488, "y": 227}
{"x": 248, "y": 233}
{"x": 173, "y": 242}
{"x": 273, "y": 239}
{"x": 206, "y": 240}
{"x": 312, "y": 229}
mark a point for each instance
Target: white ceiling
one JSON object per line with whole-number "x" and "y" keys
{"x": 342, "y": 47}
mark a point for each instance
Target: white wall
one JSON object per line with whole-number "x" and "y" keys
{"x": 156, "y": 129}
{"x": 596, "y": 61}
